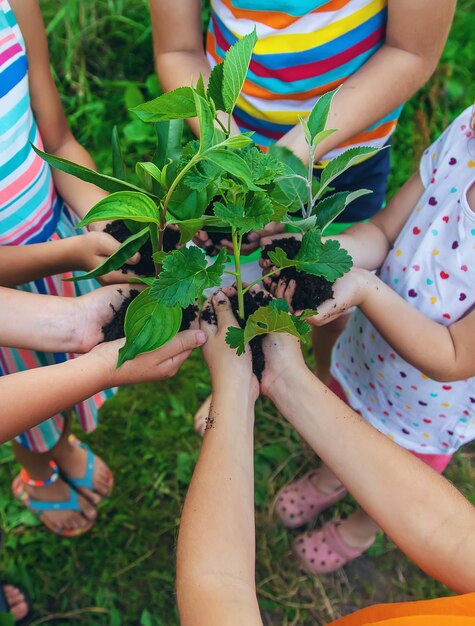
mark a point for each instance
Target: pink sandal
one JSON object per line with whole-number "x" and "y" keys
{"x": 300, "y": 501}
{"x": 323, "y": 551}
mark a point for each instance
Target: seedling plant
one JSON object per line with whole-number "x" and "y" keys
{"x": 219, "y": 182}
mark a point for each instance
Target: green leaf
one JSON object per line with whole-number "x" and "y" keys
{"x": 149, "y": 325}
{"x": 123, "y": 205}
{"x": 118, "y": 164}
{"x": 169, "y": 141}
{"x": 206, "y": 122}
{"x": 160, "y": 256}
{"x": 233, "y": 164}
{"x": 290, "y": 189}
{"x": 151, "y": 169}
{"x": 185, "y": 275}
{"x": 331, "y": 206}
{"x": 305, "y": 224}
{"x": 176, "y": 104}
{"x": 236, "y": 64}
{"x": 268, "y": 319}
{"x": 142, "y": 280}
{"x": 189, "y": 228}
{"x": 237, "y": 141}
{"x": 344, "y": 161}
{"x": 200, "y": 87}
{"x": 306, "y": 130}
{"x": 108, "y": 183}
{"x": 120, "y": 256}
{"x": 187, "y": 203}
{"x": 280, "y": 259}
{"x": 328, "y": 259}
{"x": 215, "y": 87}
{"x": 319, "y": 137}
{"x": 264, "y": 166}
{"x": 319, "y": 114}
{"x": 235, "y": 339}
{"x": 253, "y": 214}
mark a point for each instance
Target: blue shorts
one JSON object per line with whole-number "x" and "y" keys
{"x": 371, "y": 174}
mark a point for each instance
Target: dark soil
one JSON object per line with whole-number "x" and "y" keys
{"x": 310, "y": 291}
{"x": 115, "y": 328}
{"x": 145, "y": 267}
{"x": 251, "y": 304}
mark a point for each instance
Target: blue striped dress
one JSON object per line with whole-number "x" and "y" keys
{"x": 31, "y": 212}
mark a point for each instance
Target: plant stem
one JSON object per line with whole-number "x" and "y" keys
{"x": 173, "y": 186}
{"x": 311, "y": 161}
{"x": 232, "y": 273}
{"x": 256, "y": 282}
{"x": 225, "y": 130}
{"x": 237, "y": 263}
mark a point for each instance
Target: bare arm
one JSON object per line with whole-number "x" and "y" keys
{"x": 29, "y": 397}
{"x": 49, "y": 114}
{"x": 178, "y": 46}
{"x": 216, "y": 552}
{"x": 369, "y": 242}
{"x": 415, "y": 37}
{"x": 421, "y": 511}
{"x": 22, "y": 264}
{"x": 57, "y": 324}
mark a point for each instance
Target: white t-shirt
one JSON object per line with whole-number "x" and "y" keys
{"x": 431, "y": 266}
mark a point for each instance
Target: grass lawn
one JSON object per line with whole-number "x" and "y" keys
{"x": 122, "y": 572}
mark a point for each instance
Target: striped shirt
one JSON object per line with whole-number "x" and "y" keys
{"x": 305, "y": 49}
{"x": 29, "y": 207}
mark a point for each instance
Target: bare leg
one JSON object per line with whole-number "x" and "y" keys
{"x": 323, "y": 340}
{"x": 358, "y": 529}
{"x": 38, "y": 468}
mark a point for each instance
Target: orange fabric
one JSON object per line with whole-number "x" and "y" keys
{"x": 279, "y": 19}
{"x": 451, "y": 611}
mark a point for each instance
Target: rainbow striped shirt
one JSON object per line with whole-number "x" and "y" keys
{"x": 29, "y": 207}
{"x": 305, "y": 48}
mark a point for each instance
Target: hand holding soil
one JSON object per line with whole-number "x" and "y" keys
{"x": 284, "y": 360}
{"x": 224, "y": 365}
{"x": 348, "y": 291}
{"x": 151, "y": 366}
{"x": 95, "y": 311}
{"x": 93, "y": 248}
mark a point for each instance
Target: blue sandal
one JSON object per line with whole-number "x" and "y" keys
{"x": 38, "y": 507}
{"x": 87, "y": 481}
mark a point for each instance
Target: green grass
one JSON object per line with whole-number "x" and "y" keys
{"x": 122, "y": 573}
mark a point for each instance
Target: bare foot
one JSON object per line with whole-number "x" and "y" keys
{"x": 325, "y": 481}
{"x": 201, "y": 416}
{"x": 72, "y": 461}
{"x": 358, "y": 530}
{"x": 58, "y": 521}
{"x": 16, "y": 601}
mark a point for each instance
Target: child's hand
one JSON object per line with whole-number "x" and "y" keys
{"x": 152, "y": 366}
{"x": 226, "y": 368}
{"x": 284, "y": 363}
{"x": 91, "y": 312}
{"x": 348, "y": 291}
{"x": 254, "y": 238}
{"x": 265, "y": 241}
{"x": 93, "y": 248}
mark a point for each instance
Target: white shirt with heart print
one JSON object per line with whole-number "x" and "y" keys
{"x": 431, "y": 266}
